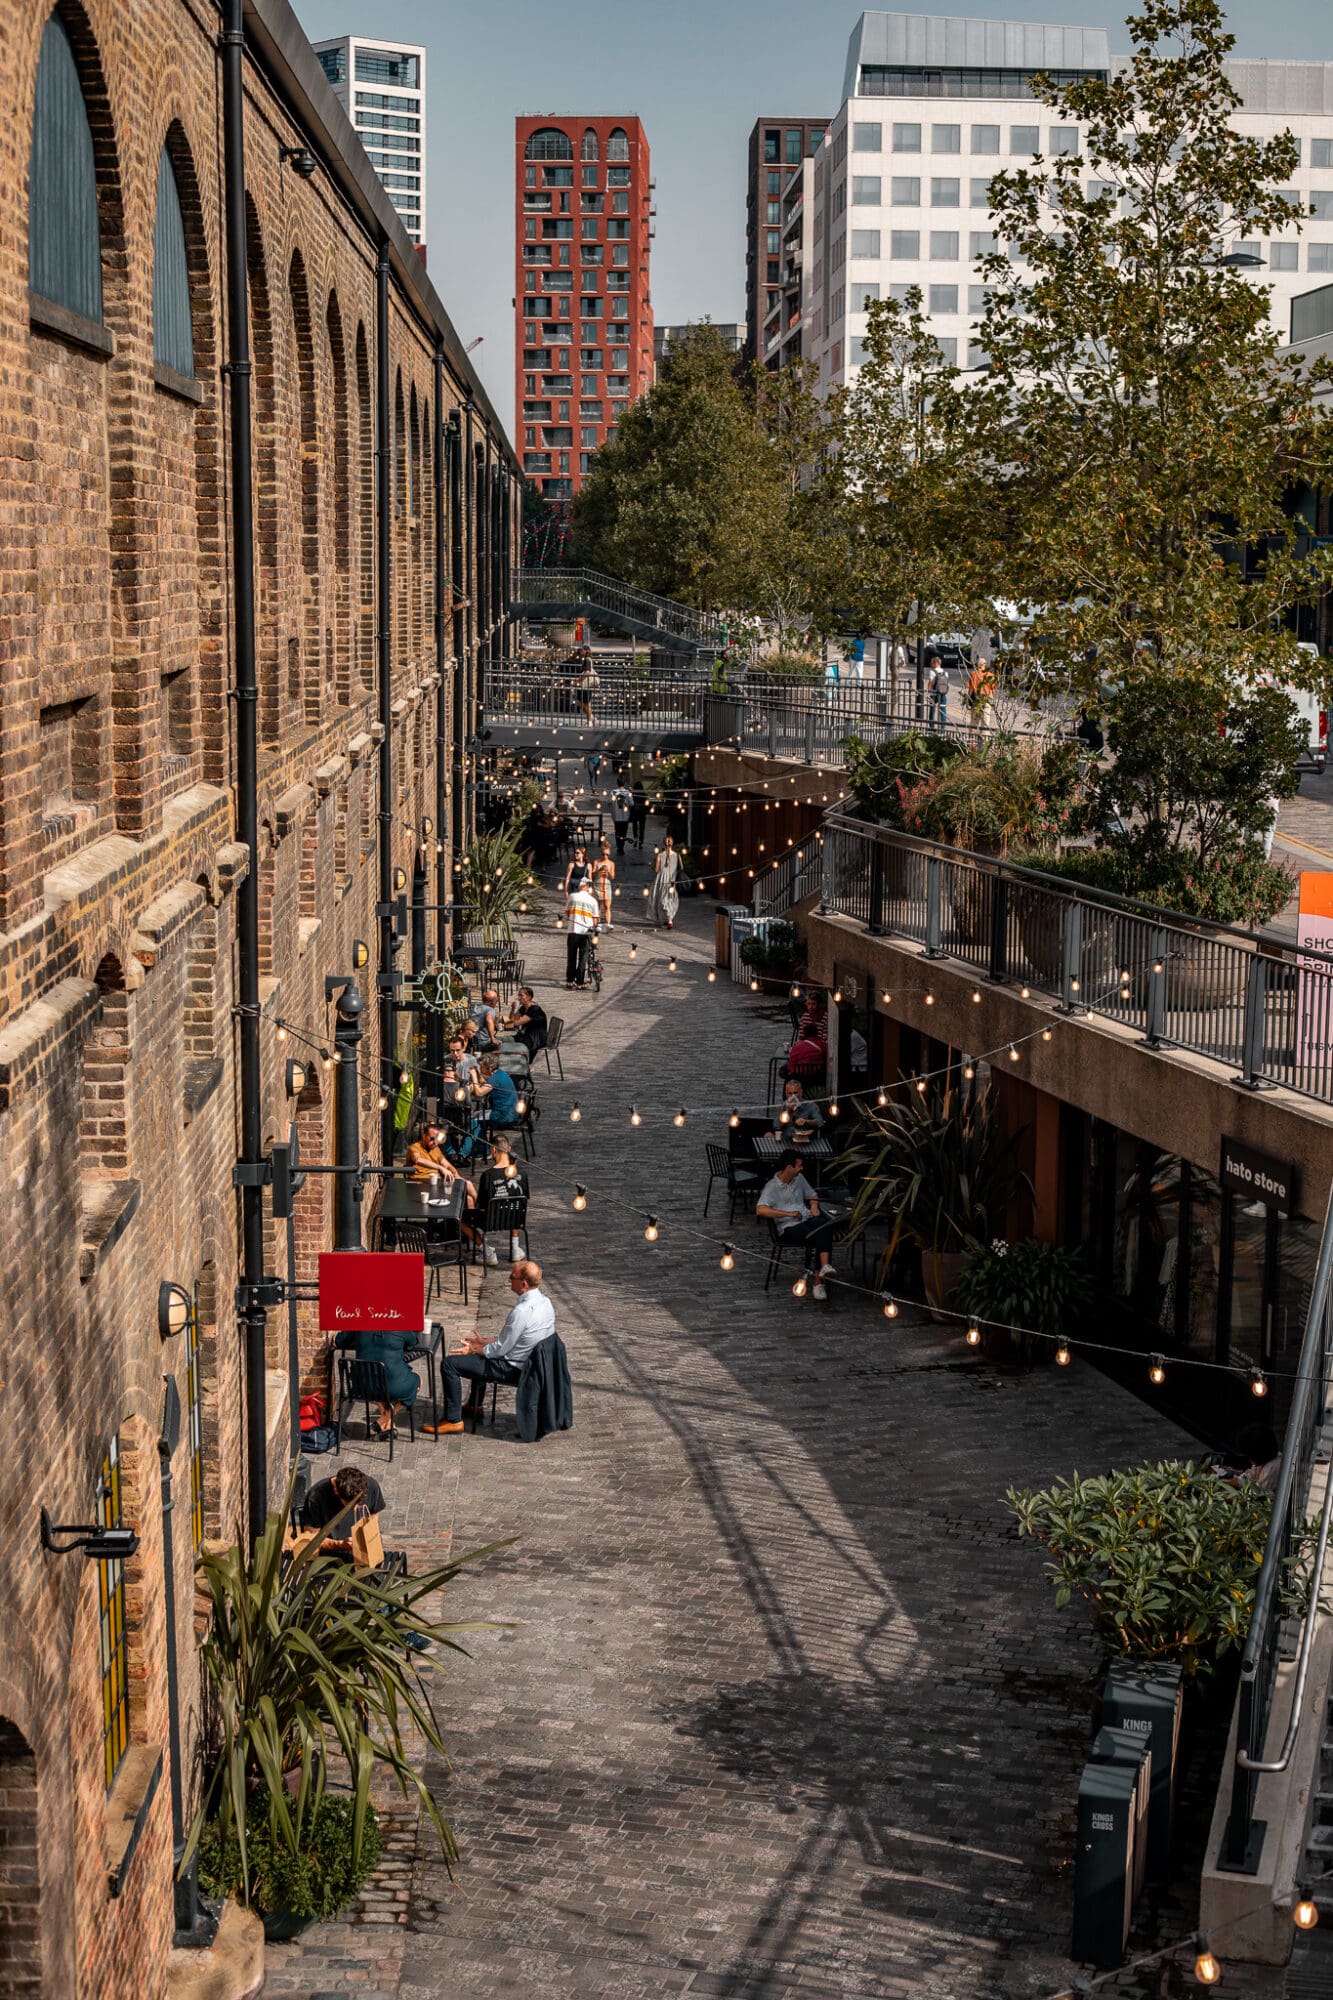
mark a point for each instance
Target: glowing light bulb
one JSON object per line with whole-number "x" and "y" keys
{"x": 799, "y": 1288}
{"x": 973, "y": 1334}
{"x": 1013, "y": 1053}
{"x": 890, "y": 1308}
{"x": 833, "y": 1108}
{"x": 968, "y": 1072}
{"x": 1062, "y": 1356}
{"x": 521, "y": 1105}
{"x": 887, "y": 998}
{"x": 1258, "y": 1386}
{"x": 679, "y": 1118}
{"x": 734, "y": 1120}
{"x": 1025, "y": 992}
{"x": 754, "y": 986}
{"x": 727, "y": 1260}
{"x": 976, "y": 996}
{"x": 384, "y": 1100}
{"x": 634, "y": 951}
{"x": 921, "y": 1086}
{"x": 1157, "y": 1371}
{"x": 712, "y": 975}
{"x": 1207, "y": 1970}
{"x": 882, "y": 1097}
{"x": 1046, "y": 1034}
{"x": 580, "y": 1198}
{"x": 1305, "y": 1915}
{"x": 574, "y": 1114}
{"x": 671, "y": 965}
{"x": 930, "y": 999}
{"x": 634, "y": 1117}
{"x": 460, "y": 1095}
{"x": 282, "y": 1031}
{"x": 784, "y": 1116}
{"x": 650, "y": 1233}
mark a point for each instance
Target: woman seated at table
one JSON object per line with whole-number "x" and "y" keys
{"x": 804, "y": 1117}
{"x": 390, "y": 1348}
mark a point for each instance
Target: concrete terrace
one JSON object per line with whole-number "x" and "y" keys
{"x": 787, "y": 1708}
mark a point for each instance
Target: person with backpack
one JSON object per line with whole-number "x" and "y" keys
{"x": 937, "y": 688}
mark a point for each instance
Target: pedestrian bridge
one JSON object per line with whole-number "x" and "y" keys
{"x": 558, "y": 596}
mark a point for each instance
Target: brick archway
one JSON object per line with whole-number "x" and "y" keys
{"x": 20, "y": 1879}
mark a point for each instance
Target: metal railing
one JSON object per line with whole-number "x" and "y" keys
{"x": 644, "y": 702}
{"x": 1262, "y": 1008}
{"x": 1291, "y": 1497}
{"x": 791, "y": 880}
{"x": 589, "y": 588}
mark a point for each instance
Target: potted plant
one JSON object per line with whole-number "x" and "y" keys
{"x": 1165, "y": 1556}
{"x": 1023, "y": 1294}
{"x": 774, "y": 959}
{"x": 306, "y": 1659}
{"x": 293, "y": 1886}
{"x": 936, "y": 1166}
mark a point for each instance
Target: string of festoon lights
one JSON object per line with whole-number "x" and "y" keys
{"x": 1207, "y": 1966}
{"x": 891, "y": 1304}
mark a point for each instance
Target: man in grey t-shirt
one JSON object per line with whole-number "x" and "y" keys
{"x": 792, "y": 1204}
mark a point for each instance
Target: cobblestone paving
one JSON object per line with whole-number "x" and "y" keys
{"x": 788, "y": 1709}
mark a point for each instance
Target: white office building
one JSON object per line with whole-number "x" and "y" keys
{"x": 933, "y": 107}
{"x": 382, "y": 88}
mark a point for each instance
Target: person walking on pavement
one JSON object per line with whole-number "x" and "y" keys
{"x": 622, "y": 811}
{"x": 937, "y": 687}
{"x": 603, "y": 880}
{"x": 530, "y": 1321}
{"x": 639, "y": 817}
{"x": 665, "y": 898}
{"x": 581, "y": 922}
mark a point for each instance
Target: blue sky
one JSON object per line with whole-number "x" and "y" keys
{"x": 698, "y": 73}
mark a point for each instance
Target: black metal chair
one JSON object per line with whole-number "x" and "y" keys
{"x": 427, "y": 1349}
{"x": 506, "y": 1216}
{"x": 438, "y": 1252}
{"x": 366, "y": 1382}
{"x": 743, "y": 1182}
{"x": 777, "y": 1244}
{"x": 555, "y": 1029}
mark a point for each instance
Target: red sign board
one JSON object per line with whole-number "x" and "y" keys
{"x": 364, "y": 1292}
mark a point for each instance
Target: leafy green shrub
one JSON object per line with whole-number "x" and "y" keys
{"x": 1032, "y": 1288}
{"x": 799, "y": 669}
{"x": 1165, "y": 1556}
{"x": 990, "y": 797}
{"x": 776, "y": 956}
{"x": 1232, "y": 884}
{"x": 317, "y": 1882}
{"x": 935, "y": 1166}
{"x": 495, "y": 882}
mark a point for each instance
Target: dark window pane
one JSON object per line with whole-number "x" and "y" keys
{"x": 173, "y": 338}
{"x": 64, "y": 240}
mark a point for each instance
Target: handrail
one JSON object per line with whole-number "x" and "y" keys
{"x": 1085, "y": 892}
{"x": 1259, "y": 1660}
{"x": 578, "y": 585}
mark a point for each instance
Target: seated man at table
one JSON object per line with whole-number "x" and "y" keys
{"x": 429, "y": 1161}
{"x": 791, "y": 1203}
{"x": 502, "y": 1177}
{"x": 531, "y": 1320}
{"x": 486, "y": 1014}
{"x": 526, "y": 1021}
{"x": 804, "y": 1117}
{"x": 497, "y": 1095}
{"x": 349, "y": 1491}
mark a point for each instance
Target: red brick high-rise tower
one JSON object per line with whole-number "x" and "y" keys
{"x": 583, "y": 335}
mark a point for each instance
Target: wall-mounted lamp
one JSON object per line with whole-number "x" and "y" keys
{"x": 175, "y": 1306}
{"x": 295, "y": 1077}
{"x": 360, "y": 954}
{"x": 301, "y": 160}
{"x": 427, "y": 826}
{"x": 99, "y": 1543}
{"x": 399, "y": 880}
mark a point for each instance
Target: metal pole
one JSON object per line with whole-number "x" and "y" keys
{"x": 189, "y": 1930}
{"x": 457, "y": 821}
{"x": 441, "y": 665}
{"x": 347, "y": 1118}
{"x": 250, "y": 1165}
{"x": 472, "y": 573}
{"x": 384, "y": 587}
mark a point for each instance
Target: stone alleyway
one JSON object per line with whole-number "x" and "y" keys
{"x": 786, "y": 1708}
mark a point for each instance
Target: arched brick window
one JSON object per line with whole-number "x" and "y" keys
{"x": 64, "y": 233}
{"x": 590, "y": 148}
{"x": 173, "y": 332}
{"x": 617, "y": 145}
{"x": 549, "y": 144}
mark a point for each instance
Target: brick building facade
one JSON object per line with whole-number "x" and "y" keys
{"x": 120, "y": 865}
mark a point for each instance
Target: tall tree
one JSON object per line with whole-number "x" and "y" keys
{"x": 697, "y": 495}
{"x": 1144, "y": 428}
{"x": 910, "y": 485}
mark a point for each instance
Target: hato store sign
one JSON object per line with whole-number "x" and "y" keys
{"x": 1258, "y": 1176}
{"x": 365, "y": 1291}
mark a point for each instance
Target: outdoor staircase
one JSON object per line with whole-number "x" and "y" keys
{"x": 554, "y": 596}
{"x": 1310, "y": 1972}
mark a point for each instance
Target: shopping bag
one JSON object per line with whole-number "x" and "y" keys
{"x": 367, "y": 1544}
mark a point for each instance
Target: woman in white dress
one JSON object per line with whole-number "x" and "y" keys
{"x": 665, "y": 899}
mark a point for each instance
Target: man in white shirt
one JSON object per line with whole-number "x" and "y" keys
{"x": 622, "y": 807}
{"x": 531, "y": 1320}
{"x": 791, "y": 1203}
{"x": 581, "y": 915}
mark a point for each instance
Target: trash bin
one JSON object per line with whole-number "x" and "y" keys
{"x": 1146, "y": 1700}
{"x": 1104, "y": 1862}
{"x": 1128, "y": 1746}
{"x": 722, "y": 917}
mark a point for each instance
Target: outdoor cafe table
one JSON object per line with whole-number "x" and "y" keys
{"x": 429, "y": 1207}
{"x": 769, "y": 1148}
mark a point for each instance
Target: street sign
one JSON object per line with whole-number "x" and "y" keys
{"x": 364, "y": 1291}
{"x": 431, "y": 989}
{"x": 1314, "y": 983}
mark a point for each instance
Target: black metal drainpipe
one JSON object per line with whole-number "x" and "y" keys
{"x": 458, "y": 570}
{"x": 250, "y": 1165}
{"x": 472, "y": 591}
{"x": 442, "y": 685}
{"x": 384, "y": 580}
